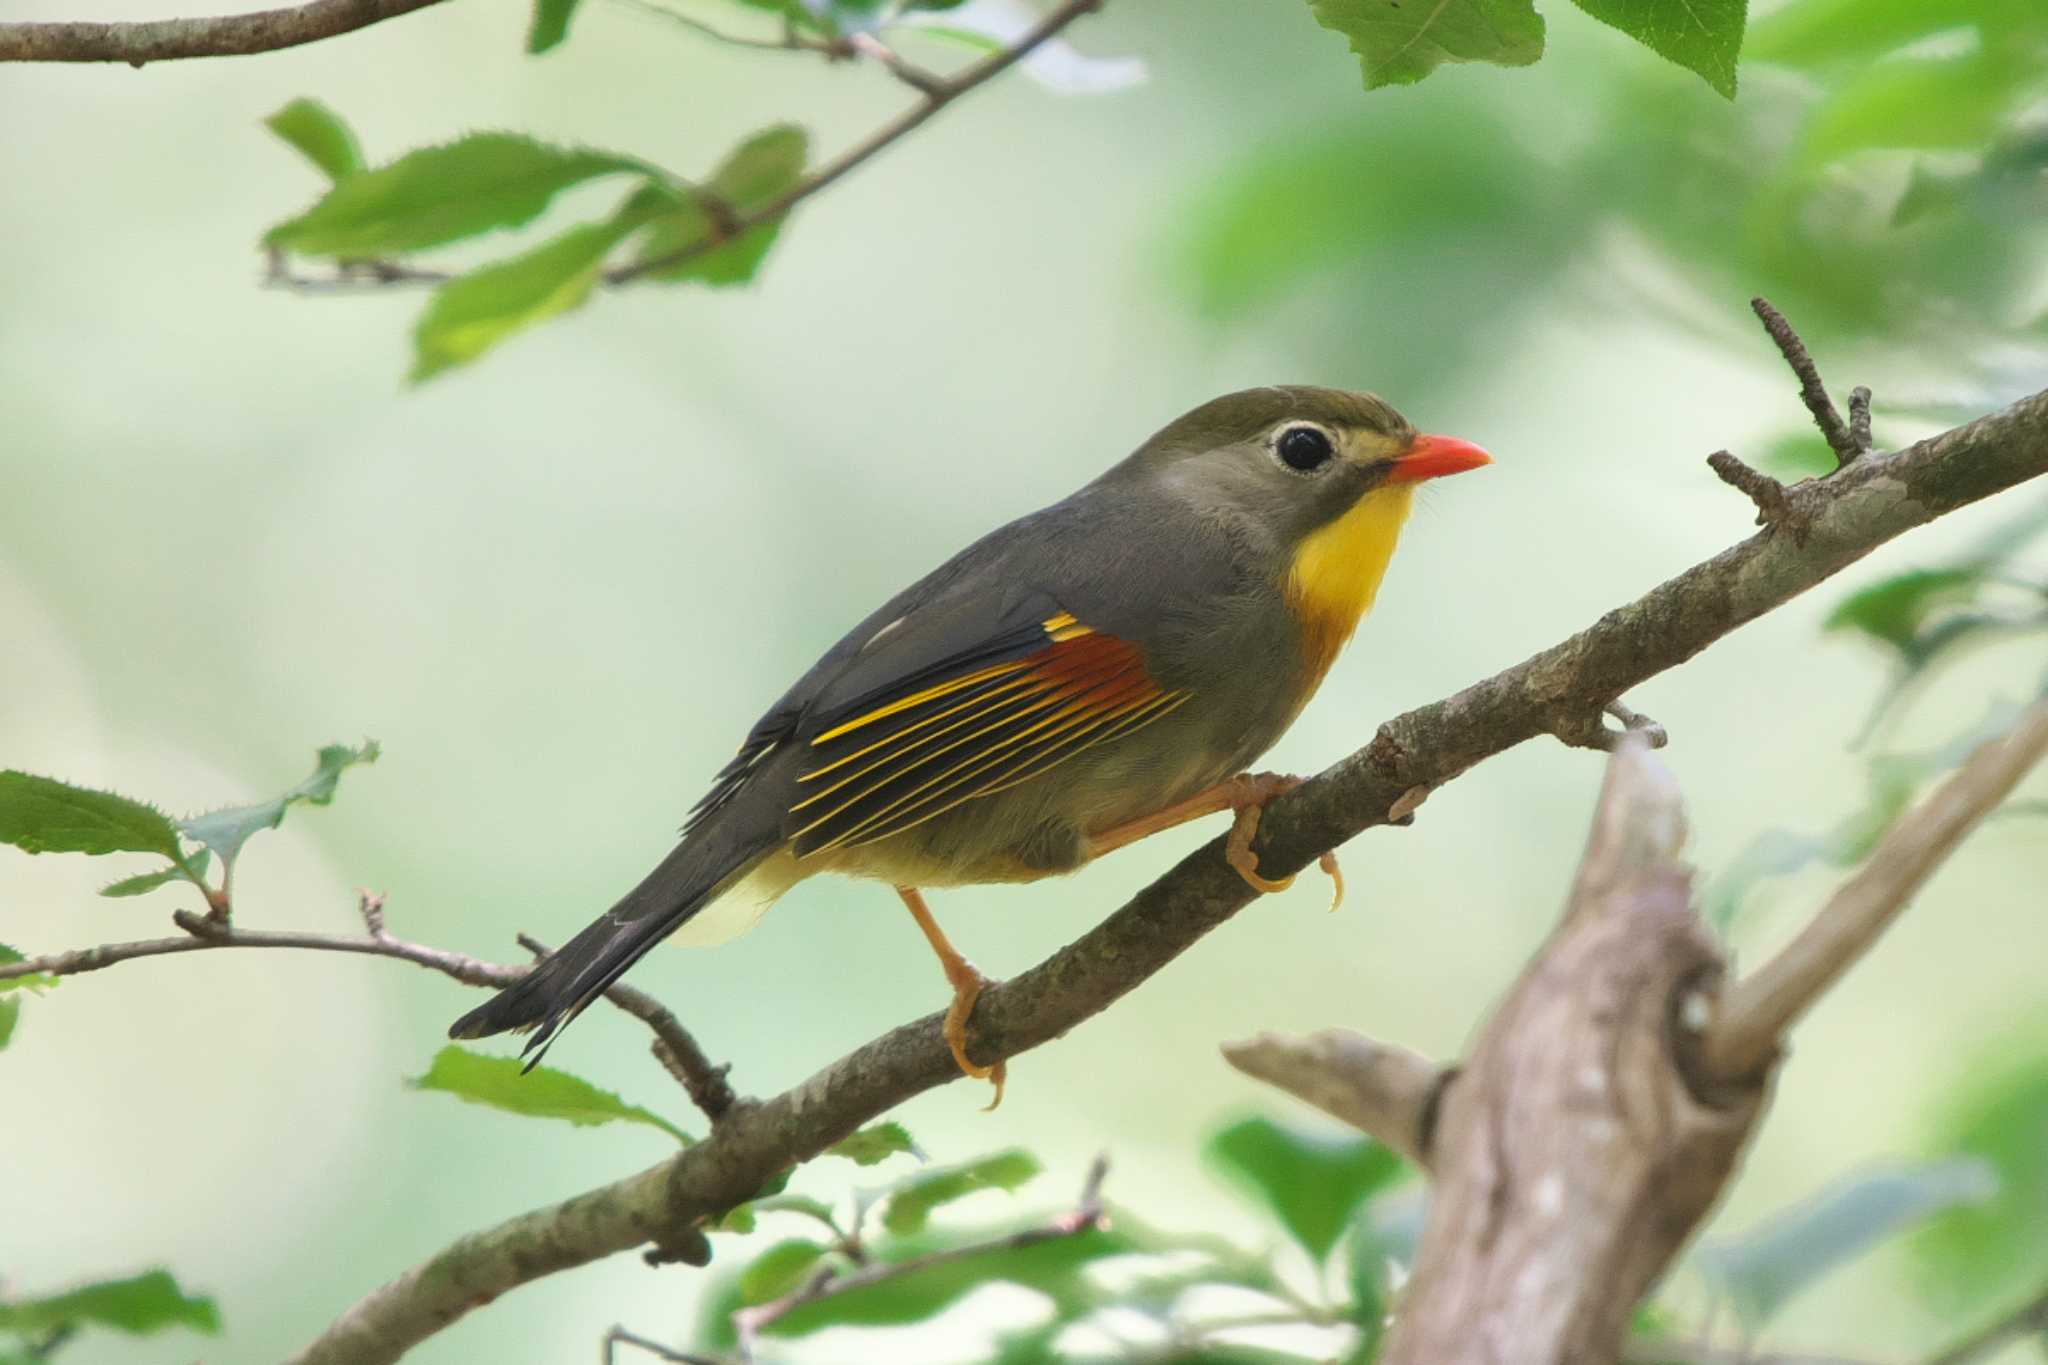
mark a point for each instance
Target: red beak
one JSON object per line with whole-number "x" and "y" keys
{"x": 1431, "y": 457}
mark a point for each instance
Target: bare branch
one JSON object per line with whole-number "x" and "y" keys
{"x": 1811, "y": 390}
{"x": 1755, "y": 1013}
{"x": 940, "y": 94}
{"x": 161, "y": 40}
{"x": 1384, "y": 1091}
{"x": 619, "y": 1336}
{"x": 1859, "y": 420}
{"x": 1862, "y": 507}
{"x": 674, "y": 1046}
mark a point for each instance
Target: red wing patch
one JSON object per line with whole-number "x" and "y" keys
{"x": 909, "y": 758}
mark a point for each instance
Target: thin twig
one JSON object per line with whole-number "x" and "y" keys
{"x": 1085, "y": 1216}
{"x": 790, "y": 41}
{"x": 1755, "y": 1012}
{"x": 619, "y": 1336}
{"x": 2028, "y": 1317}
{"x": 160, "y": 40}
{"x": 674, "y": 1048}
{"x": 1811, "y": 390}
{"x": 1773, "y": 500}
{"x": 938, "y": 97}
{"x": 1859, "y": 420}
{"x": 705, "y": 1082}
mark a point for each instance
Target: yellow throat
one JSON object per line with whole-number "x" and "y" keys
{"x": 1337, "y": 572}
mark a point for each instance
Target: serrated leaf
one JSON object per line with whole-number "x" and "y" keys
{"x": 43, "y": 815}
{"x": 911, "y": 1202}
{"x": 752, "y": 177}
{"x": 543, "y": 1093}
{"x": 138, "y": 1305}
{"x": 1398, "y": 42}
{"x": 779, "y": 1270}
{"x": 1761, "y": 1270}
{"x": 443, "y": 194}
{"x": 550, "y": 24}
{"x": 875, "y": 1143}
{"x": 320, "y": 135}
{"x": 150, "y": 881}
{"x": 1703, "y": 36}
{"x": 471, "y": 314}
{"x": 225, "y": 831}
{"x": 1313, "y": 1184}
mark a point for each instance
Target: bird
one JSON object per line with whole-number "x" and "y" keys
{"x": 1094, "y": 672}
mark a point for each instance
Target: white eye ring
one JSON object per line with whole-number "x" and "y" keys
{"x": 1304, "y": 447}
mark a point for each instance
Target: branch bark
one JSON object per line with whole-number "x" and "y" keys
{"x": 1757, "y": 1011}
{"x": 230, "y": 35}
{"x": 1846, "y": 516}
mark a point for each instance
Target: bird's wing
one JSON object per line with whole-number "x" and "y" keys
{"x": 970, "y": 700}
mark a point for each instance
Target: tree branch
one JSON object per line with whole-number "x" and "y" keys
{"x": 232, "y": 35}
{"x": 1756, "y": 1012}
{"x": 938, "y": 93}
{"x": 673, "y": 1045}
{"x": 1852, "y": 512}
{"x": 1381, "y": 1089}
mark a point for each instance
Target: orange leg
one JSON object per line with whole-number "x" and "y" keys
{"x": 1245, "y": 794}
{"x": 967, "y": 983}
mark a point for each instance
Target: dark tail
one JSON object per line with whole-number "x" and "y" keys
{"x": 549, "y": 997}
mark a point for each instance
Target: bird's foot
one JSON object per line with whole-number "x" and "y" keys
{"x": 968, "y": 984}
{"x": 1251, "y": 792}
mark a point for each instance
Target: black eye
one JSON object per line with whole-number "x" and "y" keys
{"x": 1304, "y": 448}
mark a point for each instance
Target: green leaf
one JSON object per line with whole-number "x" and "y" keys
{"x": 139, "y": 1305}
{"x": 10, "y": 1008}
{"x": 741, "y": 1218}
{"x": 1980, "y": 1254}
{"x": 1814, "y": 33}
{"x": 475, "y": 312}
{"x": 543, "y": 1093}
{"x": 1312, "y": 1183}
{"x": 761, "y": 169}
{"x": 225, "y": 831}
{"x": 1703, "y": 36}
{"x": 1764, "y": 1268}
{"x": 875, "y": 1143}
{"x": 38, "y": 981}
{"x": 150, "y": 881}
{"x": 43, "y": 815}
{"x": 753, "y": 176}
{"x": 1892, "y": 610}
{"x": 1398, "y": 42}
{"x": 550, "y": 24}
{"x": 912, "y": 1201}
{"x": 320, "y": 135}
{"x": 779, "y": 1270}
{"x": 442, "y": 194}
{"x": 1917, "y": 102}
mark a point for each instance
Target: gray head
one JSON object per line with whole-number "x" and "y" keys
{"x": 1290, "y": 458}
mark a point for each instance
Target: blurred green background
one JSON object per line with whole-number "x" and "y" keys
{"x": 560, "y": 584}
